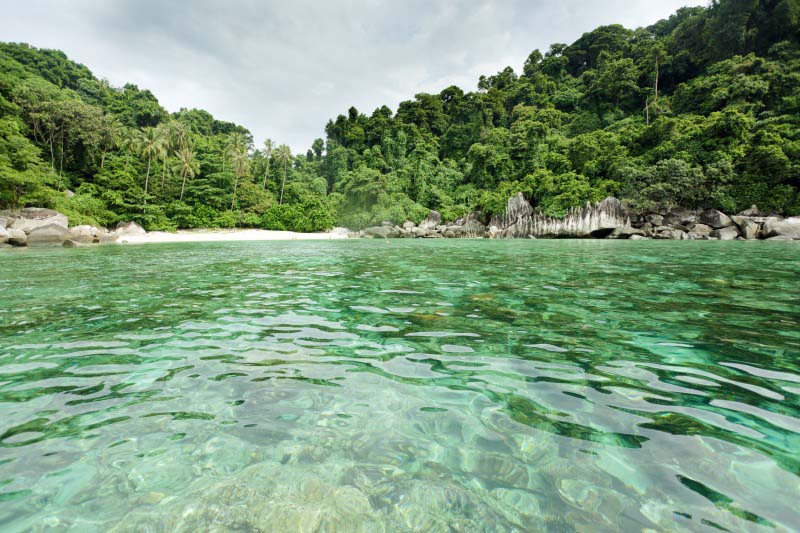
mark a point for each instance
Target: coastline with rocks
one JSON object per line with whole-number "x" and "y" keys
{"x": 608, "y": 219}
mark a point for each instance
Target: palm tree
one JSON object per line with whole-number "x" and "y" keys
{"x": 112, "y": 136}
{"x": 284, "y": 156}
{"x": 149, "y": 147}
{"x": 129, "y": 143}
{"x": 164, "y": 149}
{"x": 234, "y": 140}
{"x": 187, "y": 166}
{"x": 268, "y": 147}
{"x": 240, "y": 166}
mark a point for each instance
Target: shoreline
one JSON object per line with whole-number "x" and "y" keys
{"x": 227, "y": 235}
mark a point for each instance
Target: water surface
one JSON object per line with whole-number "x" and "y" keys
{"x": 401, "y": 385}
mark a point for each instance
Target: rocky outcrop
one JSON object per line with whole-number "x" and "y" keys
{"x": 788, "y": 227}
{"x": 16, "y": 237}
{"x": 715, "y": 219}
{"x": 598, "y": 220}
{"x": 125, "y": 229}
{"x": 30, "y": 218}
{"x": 49, "y": 235}
{"x": 748, "y": 227}
{"x": 432, "y": 221}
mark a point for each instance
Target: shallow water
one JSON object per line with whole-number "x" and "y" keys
{"x": 401, "y": 385}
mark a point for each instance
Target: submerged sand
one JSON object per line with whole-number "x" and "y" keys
{"x": 230, "y": 235}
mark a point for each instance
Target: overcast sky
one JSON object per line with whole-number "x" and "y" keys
{"x": 283, "y": 68}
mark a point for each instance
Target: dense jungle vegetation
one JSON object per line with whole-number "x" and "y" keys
{"x": 699, "y": 110}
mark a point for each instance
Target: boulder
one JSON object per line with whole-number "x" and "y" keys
{"x": 748, "y": 228}
{"x": 787, "y": 227}
{"x": 673, "y": 234}
{"x": 780, "y": 238}
{"x": 17, "y": 237}
{"x": 105, "y": 237}
{"x": 655, "y": 219}
{"x": 473, "y": 229}
{"x": 408, "y": 225}
{"x": 380, "y": 232}
{"x": 694, "y": 236}
{"x": 30, "y": 218}
{"x": 51, "y": 234}
{"x": 85, "y": 234}
{"x": 5, "y": 222}
{"x": 726, "y": 234}
{"x": 3, "y": 236}
{"x": 754, "y": 211}
{"x": 702, "y": 229}
{"x": 126, "y": 229}
{"x": 715, "y": 219}
{"x": 69, "y": 243}
{"x": 454, "y": 232}
{"x": 680, "y": 217}
{"x": 626, "y": 232}
{"x": 638, "y": 238}
{"x": 433, "y": 220}
{"x": 387, "y": 224}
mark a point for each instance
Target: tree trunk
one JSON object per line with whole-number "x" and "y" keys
{"x": 235, "y": 186}
{"x": 147, "y": 179}
{"x": 102, "y": 159}
{"x": 266, "y": 172}
{"x": 656, "y": 100}
{"x": 283, "y": 183}
{"x": 183, "y": 185}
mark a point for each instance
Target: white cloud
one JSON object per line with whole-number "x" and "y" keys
{"x": 283, "y": 70}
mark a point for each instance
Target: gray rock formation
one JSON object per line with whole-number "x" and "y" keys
{"x": 3, "y": 235}
{"x": 725, "y": 234}
{"x": 408, "y": 225}
{"x": 598, "y": 220}
{"x": 30, "y": 218}
{"x": 16, "y": 237}
{"x": 748, "y": 228}
{"x": 85, "y": 234}
{"x": 125, "y": 229}
{"x": 380, "y": 232}
{"x": 433, "y": 220}
{"x": 715, "y": 219}
{"x": 49, "y": 235}
{"x": 787, "y": 227}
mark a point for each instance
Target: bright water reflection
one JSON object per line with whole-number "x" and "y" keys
{"x": 402, "y": 385}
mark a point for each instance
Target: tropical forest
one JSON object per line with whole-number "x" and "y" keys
{"x": 700, "y": 110}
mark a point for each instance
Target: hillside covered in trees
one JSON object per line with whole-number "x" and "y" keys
{"x": 699, "y": 110}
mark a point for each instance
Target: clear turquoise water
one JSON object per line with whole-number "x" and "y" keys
{"x": 402, "y": 385}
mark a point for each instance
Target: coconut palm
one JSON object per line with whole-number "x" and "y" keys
{"x": 164, "y": 150}
{"x": 284, "y": 156}
{"x": 113, "y": 135}
{"x": 187, "y": 166}
{"x": 149, "y": 147}
{"x": 130, "y": 142}
{"x": 268, "y": 147}
{"x": 240, "y": 166}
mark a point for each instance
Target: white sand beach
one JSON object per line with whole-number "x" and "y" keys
{"x": 230, "y": 235}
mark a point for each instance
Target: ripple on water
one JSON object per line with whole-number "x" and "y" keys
{"x": 562, "y": 385}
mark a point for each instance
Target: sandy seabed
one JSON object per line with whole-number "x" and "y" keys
{"x": 230, "y": 235}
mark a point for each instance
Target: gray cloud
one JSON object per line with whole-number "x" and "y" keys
{"x": 283, "y": 68}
